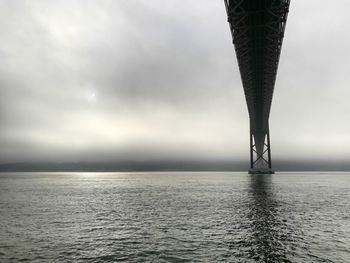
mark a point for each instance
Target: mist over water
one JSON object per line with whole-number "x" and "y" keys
{"x": 174, "y": 217}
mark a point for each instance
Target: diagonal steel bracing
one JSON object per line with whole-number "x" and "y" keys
{"x": 257, "y": 28}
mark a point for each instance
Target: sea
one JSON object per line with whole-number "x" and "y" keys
{"x": 175, "y": 217}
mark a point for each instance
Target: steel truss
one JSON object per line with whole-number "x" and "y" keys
{"x": 257, "y": 28}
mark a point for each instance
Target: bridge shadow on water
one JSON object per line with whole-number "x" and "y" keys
{"x": 269, "y": 234}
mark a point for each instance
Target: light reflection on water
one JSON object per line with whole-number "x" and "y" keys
{"x": 174, "y": 217}
{"x": 271, "y": 236}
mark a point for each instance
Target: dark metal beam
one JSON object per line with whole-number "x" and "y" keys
{"x": 257, "y": 28}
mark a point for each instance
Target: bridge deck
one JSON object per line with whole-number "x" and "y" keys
{"x": 257, "y": 29}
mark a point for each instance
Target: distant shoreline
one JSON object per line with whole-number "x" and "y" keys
{"x": 166, "y": 166}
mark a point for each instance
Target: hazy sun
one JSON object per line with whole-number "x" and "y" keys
{"x": 91, "y": 97}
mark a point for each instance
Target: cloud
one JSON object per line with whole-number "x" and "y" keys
{"x": 106, "y": 80}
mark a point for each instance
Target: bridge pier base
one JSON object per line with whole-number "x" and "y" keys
{"x": 261, "y": 171}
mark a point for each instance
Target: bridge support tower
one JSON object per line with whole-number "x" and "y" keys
{"x": 260, "y": 153}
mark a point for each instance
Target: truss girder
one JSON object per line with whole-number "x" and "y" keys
{"x": 257, "y": 28}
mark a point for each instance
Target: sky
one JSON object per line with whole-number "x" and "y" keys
{"x": 87, "y": 80}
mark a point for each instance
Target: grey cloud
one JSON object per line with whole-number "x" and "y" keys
{"x": 85, "y": 80}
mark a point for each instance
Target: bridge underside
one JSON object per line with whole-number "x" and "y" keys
{"x": 257, "y": 28}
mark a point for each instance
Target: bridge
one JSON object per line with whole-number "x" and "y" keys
{"x": 257, "y": 28}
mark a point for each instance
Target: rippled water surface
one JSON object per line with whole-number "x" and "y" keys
{"x": 174, "y": 217}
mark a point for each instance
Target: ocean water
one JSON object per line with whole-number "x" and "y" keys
{"x": 174, "y": 217}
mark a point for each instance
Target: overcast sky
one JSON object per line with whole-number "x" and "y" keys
{"x": 110, "y": 80}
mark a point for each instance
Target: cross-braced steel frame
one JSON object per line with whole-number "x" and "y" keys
{"x": 257, "y": 28}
